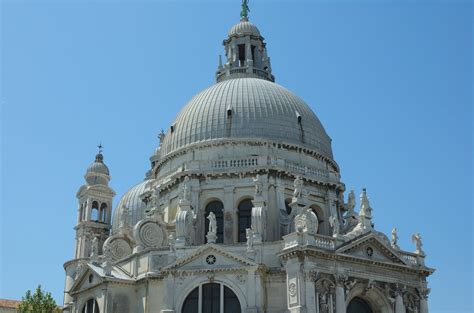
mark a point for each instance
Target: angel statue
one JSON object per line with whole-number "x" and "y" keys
{"x": 416, "y": 239}
{"x": 298, "y": 185}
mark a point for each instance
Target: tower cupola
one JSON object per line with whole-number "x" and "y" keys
{"x": 245, "y": 52}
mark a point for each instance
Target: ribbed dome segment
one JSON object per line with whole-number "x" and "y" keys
{"x": 98, "y": 167}
{"x": 244, "y": 28}
{"x": 131, "y": 200}
{"x": 259, "y": 109}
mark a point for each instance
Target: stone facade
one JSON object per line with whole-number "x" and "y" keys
{"x": 242, "y": 210}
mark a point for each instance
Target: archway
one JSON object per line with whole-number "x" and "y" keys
{"x": 359, "y": 305}
{"x": 91, "y": 306}
{"x": 209, "y": 297}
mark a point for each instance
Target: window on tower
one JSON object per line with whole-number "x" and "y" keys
{"x": 95, "y": 211}
{"x": 241, "y": 55}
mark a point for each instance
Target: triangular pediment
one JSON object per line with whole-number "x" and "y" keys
{"x": 371, "y": 247}
{"x": 86, "y": 279}
{"x": 90, "y": 275}
{"x": 211, "y": 257}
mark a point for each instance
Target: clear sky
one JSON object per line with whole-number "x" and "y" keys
{"x": 391, "y": 82}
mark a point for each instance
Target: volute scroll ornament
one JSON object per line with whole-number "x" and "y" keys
{"x": 150, "y": 233}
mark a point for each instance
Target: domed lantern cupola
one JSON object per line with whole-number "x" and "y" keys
{"x": 245, "y": 51}
{"x": 94, "y": 208}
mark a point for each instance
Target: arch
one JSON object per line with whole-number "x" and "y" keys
{"x": 103, "y": 212}
{"x": 91, "y": 306}
{"x": 321, "y": 218}
{"x": 95, "y": 211}
{"x": 359, "y": 305}
{"x": 216, "y": 207}
{"x": 375, "y": 298}
{"x": 244, "y": 218}
{"x": 188, "y": 299}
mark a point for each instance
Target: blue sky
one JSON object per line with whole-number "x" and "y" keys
{"x": 391, "y": 82}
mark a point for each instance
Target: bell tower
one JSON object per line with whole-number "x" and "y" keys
{"x": 95, "y": 208}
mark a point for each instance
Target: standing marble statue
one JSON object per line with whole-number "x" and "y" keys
{"x": 95, "y": 247}
{"x": 394, "y": 241}
{"x": 249, "y": 236}
{"x": 416, "y": 238}
{"x": 334, "y": 222}
{"x": 185, "y": 192}
{"x": 212, "y": 233}
{"x": 258, "y": 185}
{"x": 298, "y": 185}
{"x": 212, "y": 223}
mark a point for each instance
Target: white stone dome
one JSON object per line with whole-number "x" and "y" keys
{"x": 259, "y": 109}
{"x": 244, "y": 28}
{"x": 131, "y": 200}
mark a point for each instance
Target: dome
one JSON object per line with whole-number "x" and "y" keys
{"x": 244, "y": 28}
{"x": 131, "y": 200}
{"x": 247, "y": 108}
{"x": 97, "y": 172}
{"x": 98, "y": 168}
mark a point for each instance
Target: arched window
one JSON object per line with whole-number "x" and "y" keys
{"x": 209, "y": 296}
{"x": 103, "y": 212}
{"x": 95, "y": 211}
{"x": 287, "y": 206}
{"x": 358, "y": 305}
{"x": 91, "y": 306}
{"x": 244, "y": 214}
{"x": 217, "y": 208}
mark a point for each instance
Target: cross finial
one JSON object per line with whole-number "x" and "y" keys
{"x": 100, "y": 146}
{"x": 244, "y": 14}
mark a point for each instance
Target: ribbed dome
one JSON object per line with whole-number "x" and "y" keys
{"x": 98, "y": 167}
{"x": 259, "y": 110}
{"x": 244, "y": 28}
{"x": 131, "y": 200}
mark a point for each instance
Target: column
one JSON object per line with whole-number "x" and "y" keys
{"x": 340, "y": 299}
{"x": 424, "y": 300}
{"x": 311, "y": 303}
{"x": 399, "y": 307}
{"x": 230, "y": 222}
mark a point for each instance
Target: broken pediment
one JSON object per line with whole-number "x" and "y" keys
{"x": 371, "y": 247}
{"x": 211, "y": 257}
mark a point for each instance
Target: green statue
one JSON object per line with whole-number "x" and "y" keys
{"x": 244, "y": 14}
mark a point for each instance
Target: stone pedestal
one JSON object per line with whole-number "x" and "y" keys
{"x": 211, "y": 238}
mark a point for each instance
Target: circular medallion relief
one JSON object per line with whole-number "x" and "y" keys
{"x": 119, "y": 248}
{"x": 151, "y": 235}
{"x": 211, "y": 259}
{"x": 292, "y": 289}
{"x": 369, "y": 251}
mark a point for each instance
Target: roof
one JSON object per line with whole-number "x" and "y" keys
{"x": 259, "y": 109}
{"x": 244, "y": 28}
{"x": 6, "y": 303}
{"x": 131, "y": 200}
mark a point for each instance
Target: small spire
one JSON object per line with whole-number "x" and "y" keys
{"x": 244, "y": 13}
